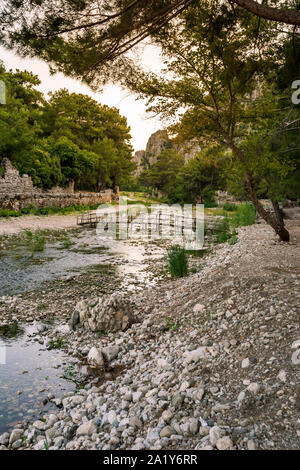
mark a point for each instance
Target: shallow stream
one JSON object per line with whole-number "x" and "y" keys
{"x": 29, "y": 372}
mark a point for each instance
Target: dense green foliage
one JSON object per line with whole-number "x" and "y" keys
{"x": 70, "y": 139}
{"x": 224, "y": 230}
{"x": 180, "y": 181}
{"x": 230, "y": 207}
{"x": 163, "y": 172}
{"x": 35, "y": 242}
{"x": 245, "y": 214}
{"x": 89, "y": 39}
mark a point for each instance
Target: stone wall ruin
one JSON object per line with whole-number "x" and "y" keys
{"x": 18, "y": 192}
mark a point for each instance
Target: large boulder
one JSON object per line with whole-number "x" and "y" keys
{"x": 95, "y": 358}
{"x": 109, "y": 313}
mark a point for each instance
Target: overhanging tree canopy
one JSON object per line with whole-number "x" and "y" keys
{"x": 83, "y": 38}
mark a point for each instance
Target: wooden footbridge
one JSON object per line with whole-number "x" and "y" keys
{"x": 156, "y": 221}
{"x": 89, "y": 219}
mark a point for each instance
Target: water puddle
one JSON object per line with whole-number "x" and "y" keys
{"x": 29, "y": 374}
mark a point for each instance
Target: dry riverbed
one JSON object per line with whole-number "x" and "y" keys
{"x": 212, "y": 361}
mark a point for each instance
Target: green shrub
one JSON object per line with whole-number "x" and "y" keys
{"x": 222, "y": 230}
{"x": 222, "y": 237}
{"x": 245, "y": 215}
{"x": 177, "y": 261}
{"x": 210, "y": 203}
{"x": 31, "y": 209}
{"x": 47, "y": 210}
{"x": 6, "y": 213}
{"x": 224, "y": 234}
{"x": 58, "y": 343}
{"x": 230, "y": 207}
{"x": 66, "y": 243}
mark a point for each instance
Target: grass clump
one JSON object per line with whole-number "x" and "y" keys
{"x": 234, "y": 238}
{"x": 35, "y": 241}
{"x": 171, "y": 325}
{"x": 177, "y": 261}
{"x": 230, "y": 207}
{"x": 46, "y": 445}
{"x": 222, "y": 230}
{"x": 224, "y": 234}
{"x": 59, "y": 343}
{"x": 196, "y": 269}
{"x": 11, "y": 331}
{"x": 244, "y": 215}
{"x": 210, "y": 203}
{"x": 66, "y": 243}
{"x": 32, "y": 210}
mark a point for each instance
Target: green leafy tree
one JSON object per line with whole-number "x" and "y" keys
{"x": 43, "y": 167}
{"x": 214, "y": 63}
{"x": 71, "y": 139}
{"x": 83, "y": 120}
{"x": 199, "y": 178}
{"x": 97, "y": 129}
{"x": 19, "y": 117}
{"x": 163, "y": 172}
{"x": 71, "y": 160}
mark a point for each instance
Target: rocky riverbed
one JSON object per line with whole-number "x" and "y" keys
{"x": 41, "y": 289}
{"x": 210, "y": 361}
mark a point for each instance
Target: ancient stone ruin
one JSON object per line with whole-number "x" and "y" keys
{"x": 18, "y": 192}
{"x": 12, "y": 182}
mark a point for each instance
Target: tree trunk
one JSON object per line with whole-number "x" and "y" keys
{"x": 274, "y": 220}
{"x": 281, "y": 230}
{"x": 71, "y": 186}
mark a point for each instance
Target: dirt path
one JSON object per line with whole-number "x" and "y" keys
{"x": 14, "y": 225}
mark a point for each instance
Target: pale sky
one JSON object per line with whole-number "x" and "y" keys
{"x": 142, "y": 124}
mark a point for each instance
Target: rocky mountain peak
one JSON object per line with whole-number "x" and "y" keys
{"x": 157, "y": 143}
